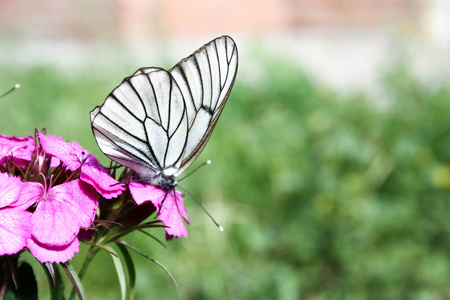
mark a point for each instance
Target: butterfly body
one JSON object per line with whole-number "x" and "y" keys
{"x": 157, "y": 122}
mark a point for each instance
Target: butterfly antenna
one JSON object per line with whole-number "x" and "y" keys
{"x": 15, "y": 87}
{"x": 201, "y": 206}
{"x": 208, "y": 162}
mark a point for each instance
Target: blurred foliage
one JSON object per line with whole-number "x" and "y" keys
{"x": 322, "y": 195}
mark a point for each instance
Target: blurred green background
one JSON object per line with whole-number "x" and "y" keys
{"x": 330, "y": 163}
{"x": 323, "y": 195}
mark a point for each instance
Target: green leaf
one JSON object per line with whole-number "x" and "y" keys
{"x": 57, "y": 286}
{"x": 101, "y": 247}
{"x": 25, "y": 280}
{"x": 131, "y": 271}
{"x": 119, "y": 269}
{"x": 132, "y": 247}
{"x": 10, "y": 294}
{"x": 73, "y": 276}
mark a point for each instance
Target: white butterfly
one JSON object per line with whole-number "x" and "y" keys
{"x": 157, "y": 122}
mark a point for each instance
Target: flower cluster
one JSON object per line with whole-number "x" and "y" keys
{"x": 52, "y": 193}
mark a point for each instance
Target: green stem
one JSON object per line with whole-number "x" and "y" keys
{"x": 91, "y": 253}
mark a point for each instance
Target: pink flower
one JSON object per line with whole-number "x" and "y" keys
{"x": 169, "y": 204}
{"x": 15, "y": 226}
{"x": 57, "y": 254}
{"x": 60, "y": 212}
{"x": 20, "y": 149}
{"x": 15, "y": 229}
{"x": 74, "y": 156}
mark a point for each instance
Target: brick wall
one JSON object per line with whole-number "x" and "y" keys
{"x": 353, "y": 13}
{"x": 190, "y": 17}
{"x": 133, "y": 19}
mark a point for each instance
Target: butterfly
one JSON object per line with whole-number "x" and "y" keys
{"x": 157, "y": 122}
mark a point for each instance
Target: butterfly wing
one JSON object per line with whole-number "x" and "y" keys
{"x": 205, "y": 79}
{"x": 143, "y": 123}
{"x": 157, "y": 122}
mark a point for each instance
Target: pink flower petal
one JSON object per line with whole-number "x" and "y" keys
{"x": 142, "y": 192}
{"x": 98, "y": 177}
{"x": 172, "y": 206}
{"x": 170, "y": 212}
{"x": 54, "y": 162}
{"x": 53, "y": 222}
{"x": 85, "y": 197}
{"x": 53, "y": 254}
{"x": 59, "y": 148}
{"x": 31, "y": 193}
{"x": 19, "y": 148}
{"x": 10, "y": 189}
{"x": 15, "y": 229}
{"x": 65, "y": 209}
{"x": 74, "y": 156}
